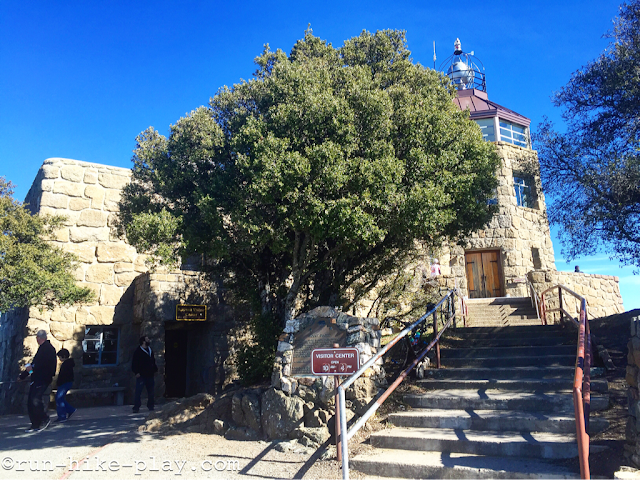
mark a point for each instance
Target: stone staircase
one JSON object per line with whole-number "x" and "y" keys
{"x": 501, "y": 407}
{"x": 502, "y": 311}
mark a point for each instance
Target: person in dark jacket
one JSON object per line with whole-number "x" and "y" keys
{"x": 42, "y": 369}
{"x": 144, "y": 366}
{"x": 65, "y": 382}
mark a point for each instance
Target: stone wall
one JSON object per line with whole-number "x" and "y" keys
{"x": 211, "y": 344}
{"x": 303, "y": 407}
{"x": 602, "y": 292}
{"x": 632, "y": 446}
{"x": 87, "y": 194}
{"x": 520, "y": 234}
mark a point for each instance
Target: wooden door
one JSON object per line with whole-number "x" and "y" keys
{"x": 483, "y": 274}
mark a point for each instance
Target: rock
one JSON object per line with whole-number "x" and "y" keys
{"x": 286, "y": 447}
{"x": 280, "y": 414}
{"x": 241, "y": 433}
{"x": 219, "y": 427}
{"x": 317, "y": 435}
{"x": 245, "y": 409}
{"x": 361, "y": 388}
{"x": 289, "y": 385}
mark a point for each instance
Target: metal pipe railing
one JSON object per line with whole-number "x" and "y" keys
{"x": 535, "y": 300}
{"x": 346, "y": 434}
{"x": 582, "y": 374}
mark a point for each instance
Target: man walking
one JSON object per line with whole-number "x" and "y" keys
{"x": 42, "y": 369}
{"x": 144, "y": 366}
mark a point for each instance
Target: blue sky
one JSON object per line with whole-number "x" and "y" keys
{"x": 81, "y": 79}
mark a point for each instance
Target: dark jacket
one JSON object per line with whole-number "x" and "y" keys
{"x": 143, "y": 363}
{"x": 44, "y": 364}
{"x": 66, "y": 372}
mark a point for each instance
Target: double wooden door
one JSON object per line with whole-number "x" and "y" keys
{"x": 483, "y": 274}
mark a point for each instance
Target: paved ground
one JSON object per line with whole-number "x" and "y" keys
{"x": 103, "y": 443}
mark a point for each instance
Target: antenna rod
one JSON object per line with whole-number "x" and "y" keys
{"x": 434, "y": 54}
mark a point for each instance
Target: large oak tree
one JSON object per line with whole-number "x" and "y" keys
{"x": 310, "y": 182}
{"x": 592, "y": 172}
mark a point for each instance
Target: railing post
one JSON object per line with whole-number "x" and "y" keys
{"x": 435, "y": 334}
{"x": 344, "y": 440}
{"x": 560, "y": 304}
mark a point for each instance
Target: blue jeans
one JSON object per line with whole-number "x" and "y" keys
{"x": 63, "y": 407}
{"x": 141, "y": 382}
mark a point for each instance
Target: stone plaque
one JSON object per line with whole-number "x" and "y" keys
{"x": 320, "y": 334}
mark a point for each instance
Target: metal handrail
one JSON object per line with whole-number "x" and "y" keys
{"x": 346, "y": 434}
{"x": 535, "y": 299}
{"x": 582, "y": 375}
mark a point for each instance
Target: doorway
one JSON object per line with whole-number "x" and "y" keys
{"x": 483, "y": 274}
{"x": 175, "y": 370}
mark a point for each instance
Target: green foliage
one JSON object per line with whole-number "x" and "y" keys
{"x": 593, "y": 170}
{"x": 255, "y": 360}
{"x": 318, "y": 175}
{"x": 32, "y": 271}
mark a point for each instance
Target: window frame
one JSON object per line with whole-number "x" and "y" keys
{"x": 100, "y": 349}
{"x": 521, "y": 195}
{"x": 510, "y": 134}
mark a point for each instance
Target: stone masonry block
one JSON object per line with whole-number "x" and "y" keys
{"x": 68, "y": 188}
{"x": 62, "y": 331}
{"x": 100, "y": 273}
{"x": 92, "y": 218}
{"x": 73, "y": 173}
{"x": 94, "y": 192}
{"x": 53, "y": 200}
{"x": 122, "y": 267}
{"x": 116, "y": 252}
{"x": 110, "y": 295}
{"x": 79, "y": 203}
{"x": 103, "y": 315}
{"x": 85, "y": 253}
{"x": 50, "y": 171}
{"x": 125, "y": 279}
{"x": 90, "y": 177}
{"x": 88, "y": 234}
{"x": 108, "y": 180}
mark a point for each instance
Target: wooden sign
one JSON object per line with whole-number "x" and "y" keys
{"x": 191, "y": 313}
{"x": 322, "y": 333}
{"x": 334, "y": 361}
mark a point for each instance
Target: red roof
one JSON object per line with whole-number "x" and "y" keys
{"x": 480, "y": 106}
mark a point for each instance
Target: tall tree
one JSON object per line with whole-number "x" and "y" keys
{"x": 314, "y": 179}
{"x": 593, "y": 170}
{"x": 32, "y": 270}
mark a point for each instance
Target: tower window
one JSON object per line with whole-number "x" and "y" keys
{"x": 515, "y": 134}
{"x": 100, "y": 346}
{"x": 488, "y": 130}
{"x": 524, "y": 189}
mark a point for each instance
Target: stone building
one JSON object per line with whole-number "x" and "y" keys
{"x": 195, "y": 356}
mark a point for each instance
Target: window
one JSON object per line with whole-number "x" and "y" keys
{"x": 523, "y": 186}
{"x": 487, "y": 128}
{"x": 100, "y": 346}
{"x": 515, "y": 134}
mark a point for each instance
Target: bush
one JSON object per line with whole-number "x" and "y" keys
{"x": 255, "y": 360}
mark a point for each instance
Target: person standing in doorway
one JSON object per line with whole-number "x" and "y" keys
{"x": 65, "y": 382}
{"x": 42, "y": 369}
{"x": 144, "y": 367}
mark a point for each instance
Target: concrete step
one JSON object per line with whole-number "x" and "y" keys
{"x": 412, "y": 464}
{"x": 494, "y": 420}
{"x": 507, "y": 444}
{"x": 489, "y": 399}
{"x": 501, "y": 373}
{"x": 524, "y": 331}
{"x": 471, "y": 342}
{"x": 498, "y": 301}
{"x": 531, "y": 384}
{"x": 508, "y": 351}
{"x": 498, "y": 361}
